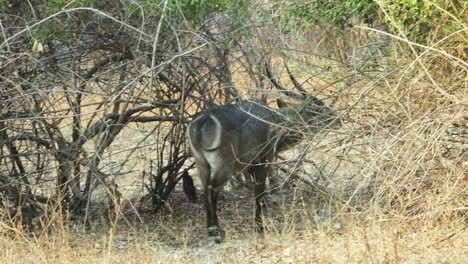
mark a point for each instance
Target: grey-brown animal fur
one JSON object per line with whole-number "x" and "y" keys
{"x": 231, "y": 139}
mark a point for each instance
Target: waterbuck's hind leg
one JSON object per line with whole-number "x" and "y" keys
{"x": 210, "y": 198}
{"x": 210, "y": 205}
{"x": 214, "y": 231}
{"x": 259, "y": 174}
{"x": 213, "y": 187}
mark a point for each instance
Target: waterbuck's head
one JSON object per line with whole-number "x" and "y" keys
{"x": 310, "y": 113}
{"x": 307, "y": 115}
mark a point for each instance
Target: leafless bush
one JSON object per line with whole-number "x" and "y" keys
{"x": 65, "y": 101}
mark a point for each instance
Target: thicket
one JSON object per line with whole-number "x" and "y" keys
{"x": 93, "y": 91}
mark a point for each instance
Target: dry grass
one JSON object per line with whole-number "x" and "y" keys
{"x": 292, "y": 236}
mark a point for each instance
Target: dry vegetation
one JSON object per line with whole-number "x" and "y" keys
{"x": 389, "y": 186}
{"x": 180, "y": 238}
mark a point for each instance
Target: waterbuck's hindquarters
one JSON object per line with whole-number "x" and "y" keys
{"x": 212, "y": 190}
{"x": 213, "y": 181}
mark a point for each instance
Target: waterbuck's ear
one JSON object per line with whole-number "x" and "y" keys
{"x": 281, "y": 103}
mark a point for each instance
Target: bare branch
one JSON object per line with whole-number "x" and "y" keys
{"x": 29, "y": 137}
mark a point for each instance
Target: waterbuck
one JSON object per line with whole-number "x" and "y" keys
{"x": 244, "y": 137}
